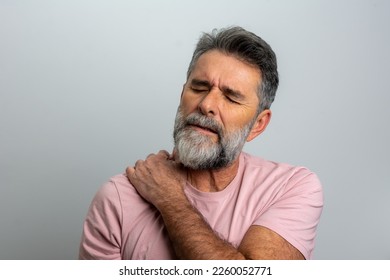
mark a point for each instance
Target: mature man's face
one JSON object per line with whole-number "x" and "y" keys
{"x": 217, "y": 111}
{"x": 198, "y": 151}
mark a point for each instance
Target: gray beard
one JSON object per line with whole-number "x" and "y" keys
{"x": 197, "y": 151}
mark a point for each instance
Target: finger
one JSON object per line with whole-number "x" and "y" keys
{"x": 150, "y": 155}
{"x": 138, "y": 163}
{"x": 164, "y": 154}
{"x": 173, "y": 155}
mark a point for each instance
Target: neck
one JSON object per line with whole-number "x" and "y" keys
{"x": 213, "y": 180}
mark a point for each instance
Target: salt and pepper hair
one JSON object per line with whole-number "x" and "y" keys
{"x": 247, "y": 47}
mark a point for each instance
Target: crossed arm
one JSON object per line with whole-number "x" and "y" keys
{"x": 160, "y": 180}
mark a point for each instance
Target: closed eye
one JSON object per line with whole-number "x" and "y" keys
{"x": 199, "y": 90}
{"x": 233, "y": 95}
{"x": 231, "y": 99}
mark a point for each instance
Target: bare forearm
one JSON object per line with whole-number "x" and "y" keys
{"x": 192, "y": 237}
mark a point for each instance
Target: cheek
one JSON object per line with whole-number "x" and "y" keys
{"x": 187, "y": 104}
{"x": 238, "y": 119}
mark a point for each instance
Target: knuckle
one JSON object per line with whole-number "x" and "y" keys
{"x": 163, "y": 153}
{"x": 150, "y": 155}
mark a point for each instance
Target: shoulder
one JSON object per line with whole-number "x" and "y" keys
{"x": 281, "y": 178}
{"x": 116, "y": 190}
{"x": 251, "y": 161}
{"x": 102, "y": 230}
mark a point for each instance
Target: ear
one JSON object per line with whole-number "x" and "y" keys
{"x": 260, "y": 124}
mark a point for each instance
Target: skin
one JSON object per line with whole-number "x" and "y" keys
{"x": 224, "y": 88}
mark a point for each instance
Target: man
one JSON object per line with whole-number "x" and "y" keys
{"x": 208, "y": 199}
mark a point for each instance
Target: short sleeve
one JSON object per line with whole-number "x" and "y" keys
{"x": 101, "y": 237}
{"x": 296, "y": 213}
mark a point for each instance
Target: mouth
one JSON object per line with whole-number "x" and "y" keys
{"x": 204, "y": 130}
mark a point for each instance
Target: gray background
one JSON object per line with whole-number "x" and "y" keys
{"x": 89, "y": 87}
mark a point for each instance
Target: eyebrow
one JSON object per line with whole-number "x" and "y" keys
{"x": 236, "y": 94}
{"x": 200, "y": 83}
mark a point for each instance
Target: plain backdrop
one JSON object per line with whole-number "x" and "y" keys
{"x": 89, "y": 87}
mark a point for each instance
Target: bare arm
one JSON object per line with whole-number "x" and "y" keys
{"x": 161, "y": 181}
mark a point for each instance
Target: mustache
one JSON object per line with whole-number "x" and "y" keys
{"x": 204, "y": 122}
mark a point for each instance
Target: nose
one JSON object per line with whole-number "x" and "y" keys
{"x": 208, "y": 106}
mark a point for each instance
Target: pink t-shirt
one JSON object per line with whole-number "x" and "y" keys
{"x": 286, "y": 199}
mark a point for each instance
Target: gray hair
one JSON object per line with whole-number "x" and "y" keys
{"x": 248, "y": 47}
